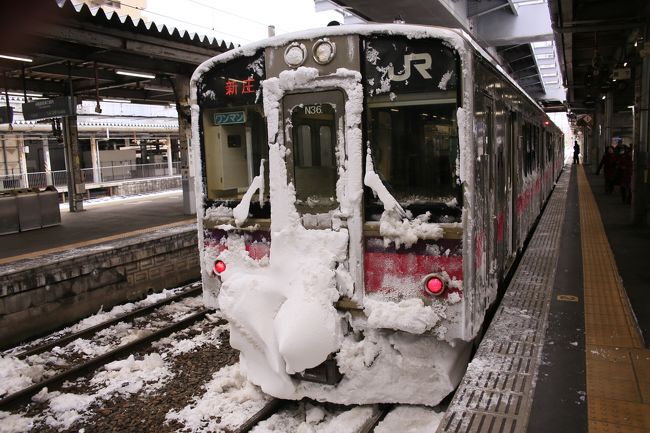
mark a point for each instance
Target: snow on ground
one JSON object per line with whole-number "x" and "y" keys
{"x": 229, "y": 400}
{"x": 122, "y": 377}
{"x": 224, "y": 403}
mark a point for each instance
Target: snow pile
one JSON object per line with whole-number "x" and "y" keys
{"x": 240, "y": 212}
{"x": 219, "y": 213}
{"x": 65, "y": 409}
{"x": 407, "y": 231}
{"x": 373, "y": 181}
{"x": 228, "y": 401}
{"x": 409, "y": 315}
{"x": 316, "y": 420}
{"x": 282, "y": 316}
{"x": 130, "y": 376}
{"x": 12, "y": 423}
{"x": 16, "y": 374}
{"x": 410, "y": 419}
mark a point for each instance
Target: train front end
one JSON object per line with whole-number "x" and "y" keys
{"x": 333, "y": 212}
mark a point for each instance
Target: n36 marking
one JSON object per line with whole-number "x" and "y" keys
{"x": 313, "y": 109}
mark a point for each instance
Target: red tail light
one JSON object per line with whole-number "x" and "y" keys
{"x": 219, "y": 267}
{"x": 434, "y": 286}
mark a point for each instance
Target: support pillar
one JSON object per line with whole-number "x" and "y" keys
{"x": 596, "y": 137}
{"x": 22, "y": 161}
{"x": 609, "y": 119}
{"x": 94, "y": 156}
{"x": 47, "y": 166}
{"x": 76, "y": 186}
{"x": 170, "y": 163}
{"x": 641, "y": 179}
{"x": 182, "y": 85}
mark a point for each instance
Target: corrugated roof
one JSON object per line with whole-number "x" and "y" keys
{"x": 97, "y": 15}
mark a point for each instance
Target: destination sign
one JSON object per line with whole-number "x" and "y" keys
{"x": 234, "y": 84}
{"x": 48, "y": 108}
{"x": 231, "y": 118}
{"x": 6, "y": 114}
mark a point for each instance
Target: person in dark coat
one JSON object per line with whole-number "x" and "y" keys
{"x": 624, "y": 167}
{"x": 608, "y": 165}
{"x": 576, "y": 153}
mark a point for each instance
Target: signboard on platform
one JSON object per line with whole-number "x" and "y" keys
{"x": 48, "y": 108}
{"x": 6, "y": 114}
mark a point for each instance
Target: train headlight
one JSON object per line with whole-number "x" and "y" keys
{"x": 295, "y": 55}
{"x": 219, "y": 267}
{"x": 323, "y": 51}
{"x": 434, "y": 285}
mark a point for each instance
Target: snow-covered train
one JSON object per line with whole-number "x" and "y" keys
{"x": 361, "y": 192}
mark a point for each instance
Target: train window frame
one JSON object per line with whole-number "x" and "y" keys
{"x": 258, "y": 149}
{"x": 290, "y": 101}
{"x": 440, "y": 209}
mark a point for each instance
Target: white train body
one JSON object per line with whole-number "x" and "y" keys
{"x": 362, "y": 191}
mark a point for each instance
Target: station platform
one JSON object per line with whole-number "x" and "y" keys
{"x": 565, "y": 351}
{"x": 100, "y": 222}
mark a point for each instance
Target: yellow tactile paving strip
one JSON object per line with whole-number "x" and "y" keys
{"x": 68, "y": 247}
{"x": 618, "y": 367}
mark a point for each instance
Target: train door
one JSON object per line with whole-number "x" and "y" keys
{"x": 312, "y": 122}
{"x": 500, "y": 196}
{"x": 511, "y": 190}
{"x": 490, "y": 185}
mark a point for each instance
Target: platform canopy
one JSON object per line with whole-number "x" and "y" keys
{"x": 56, "y": 44}
{"x": 517, "y": 32}
{"x": 600, "y": 44}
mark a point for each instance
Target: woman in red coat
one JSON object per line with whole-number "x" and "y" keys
{"x": 608, "y": 164}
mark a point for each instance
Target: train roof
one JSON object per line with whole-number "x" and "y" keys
{"x": 457, "y": 38}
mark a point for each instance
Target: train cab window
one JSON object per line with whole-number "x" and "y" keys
{"x": 232, "y": 154}
{"x": 415, "y": 151}
{"x": 314, "y": 165}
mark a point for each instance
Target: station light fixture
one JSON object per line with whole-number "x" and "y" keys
{"x": 135, "y": 74}
{"x": 17, "y": 58}
{"x": 119, "y": 101}
{"x": 29, "y": 95}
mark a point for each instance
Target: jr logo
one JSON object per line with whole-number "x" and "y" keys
{"x": 423, "y": 64}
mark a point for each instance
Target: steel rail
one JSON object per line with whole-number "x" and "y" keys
{"x": 90, "y": 365}
{"x": 94, "y": 329}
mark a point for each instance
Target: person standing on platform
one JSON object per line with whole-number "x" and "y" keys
{"x": 576, "y": 152}
{"x": 608, "y": 164}
{"x": 624, "y": 167}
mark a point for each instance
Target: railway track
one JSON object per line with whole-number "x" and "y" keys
{"x": 275, "y": 405}
{"x": 85, "y": 366}
{"x": 92, "y": 330}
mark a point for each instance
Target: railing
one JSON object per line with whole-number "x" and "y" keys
{"x": 115, "y": 173}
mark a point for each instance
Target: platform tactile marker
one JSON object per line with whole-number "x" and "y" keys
{"x": 618, "y": 367}
{"x": 496, "y": 393}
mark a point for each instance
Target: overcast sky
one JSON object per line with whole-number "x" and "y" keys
{"x": 237, "y": 21}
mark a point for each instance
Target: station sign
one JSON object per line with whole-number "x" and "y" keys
{"x": 6, "y": 114}
{"x": 231, "y": 118}
{"x": 61, "y": 106}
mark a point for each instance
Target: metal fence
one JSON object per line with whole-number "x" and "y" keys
{"x": 114, "y": 173}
